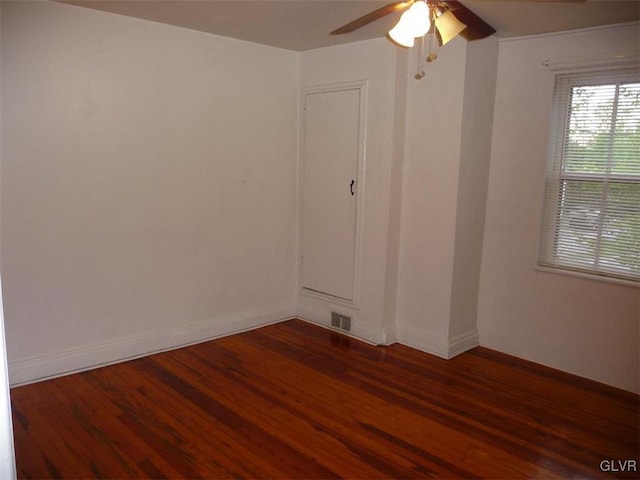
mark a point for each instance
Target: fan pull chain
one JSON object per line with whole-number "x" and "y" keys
{"x": 432, "y": 48}
{"x": 420, "y": 72}
{"x": 432, "y": 36}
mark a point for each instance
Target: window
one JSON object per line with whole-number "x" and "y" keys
{"x": 592, "y": 202}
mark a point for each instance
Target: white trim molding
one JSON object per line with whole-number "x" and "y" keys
{"x": 29, "y": 370}
{"x": 362, "y": 87}
{"x": 438, "y": 345}
{"x": 461, "y": 343}
{"x": 420, "y": 340}
{"x": 598, "y": 62}
{"x": 389, "y": 336}
{"x": 565, "y": 32}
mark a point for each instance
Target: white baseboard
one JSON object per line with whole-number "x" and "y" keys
{"x": 389, "y": 336}
{"x": 28, "y": 370}
{"x": 425, "y": 342}
{"x": 438, "y": 345}
{"x": 461, "y": 343}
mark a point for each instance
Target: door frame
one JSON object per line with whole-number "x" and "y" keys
{"x": 7, "y": 452}
{"x": 361, "y": 86}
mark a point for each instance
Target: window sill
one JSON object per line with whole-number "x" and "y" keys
{"x": 587, "y": 276}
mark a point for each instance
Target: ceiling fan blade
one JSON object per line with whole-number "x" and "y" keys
{"x": 476, "y": 27}
{"x": 372, "y": 16}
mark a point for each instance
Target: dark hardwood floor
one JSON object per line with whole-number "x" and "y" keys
{"x": 293, "y": 400}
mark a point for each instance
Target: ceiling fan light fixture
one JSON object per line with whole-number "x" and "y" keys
{"x": 400, "y": 36}
{"x": 419, "y": 16}
{"x": 432, "y": 20}
{"x": 448, "y": 26}
{"x": 412, "y": 24}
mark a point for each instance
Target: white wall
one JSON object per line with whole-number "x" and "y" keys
{"x": 148, "y": 187}
{"x": 422, "y": 232}
{"x": 373, "y": 61}
{"x": 582, "y": 326}
{"x": 394, "y": 226}
{"x": 430, "y": 189}
{"x": 447, "y": 147}
{"x": 149, "y": 195}
{"x": 7, "y": 455}
{"x": 475, "y": 157}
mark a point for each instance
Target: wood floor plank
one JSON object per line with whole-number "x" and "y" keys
{"x": 189, "y": 441}
{"x": 96, "y": 403}
{"x": 449, "y": 435}
{"x": 326, "y": 431}
{"x": 293, "y": 400}
{"x": 304, "y": 434}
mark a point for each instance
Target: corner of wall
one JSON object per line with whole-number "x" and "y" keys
{"x": 443, "y": 346}
{"x": 394, "y": 224}
{"x": 475, "y": 157}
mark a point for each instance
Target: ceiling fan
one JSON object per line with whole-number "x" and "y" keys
{"x": 435, "y": 21}
{"x": 476, "y": 27}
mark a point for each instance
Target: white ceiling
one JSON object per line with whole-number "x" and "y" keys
{"x": 305, "y": 24}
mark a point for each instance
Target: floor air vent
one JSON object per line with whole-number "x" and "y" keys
{"x": 340, "y": 321}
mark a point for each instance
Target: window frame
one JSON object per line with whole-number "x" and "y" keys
{"x": 622, "y": 71}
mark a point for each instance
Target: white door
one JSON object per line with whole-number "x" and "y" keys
{"x": 331, "y": 136}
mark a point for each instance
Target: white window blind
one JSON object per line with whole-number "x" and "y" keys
{"x": 592, "y": 202}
